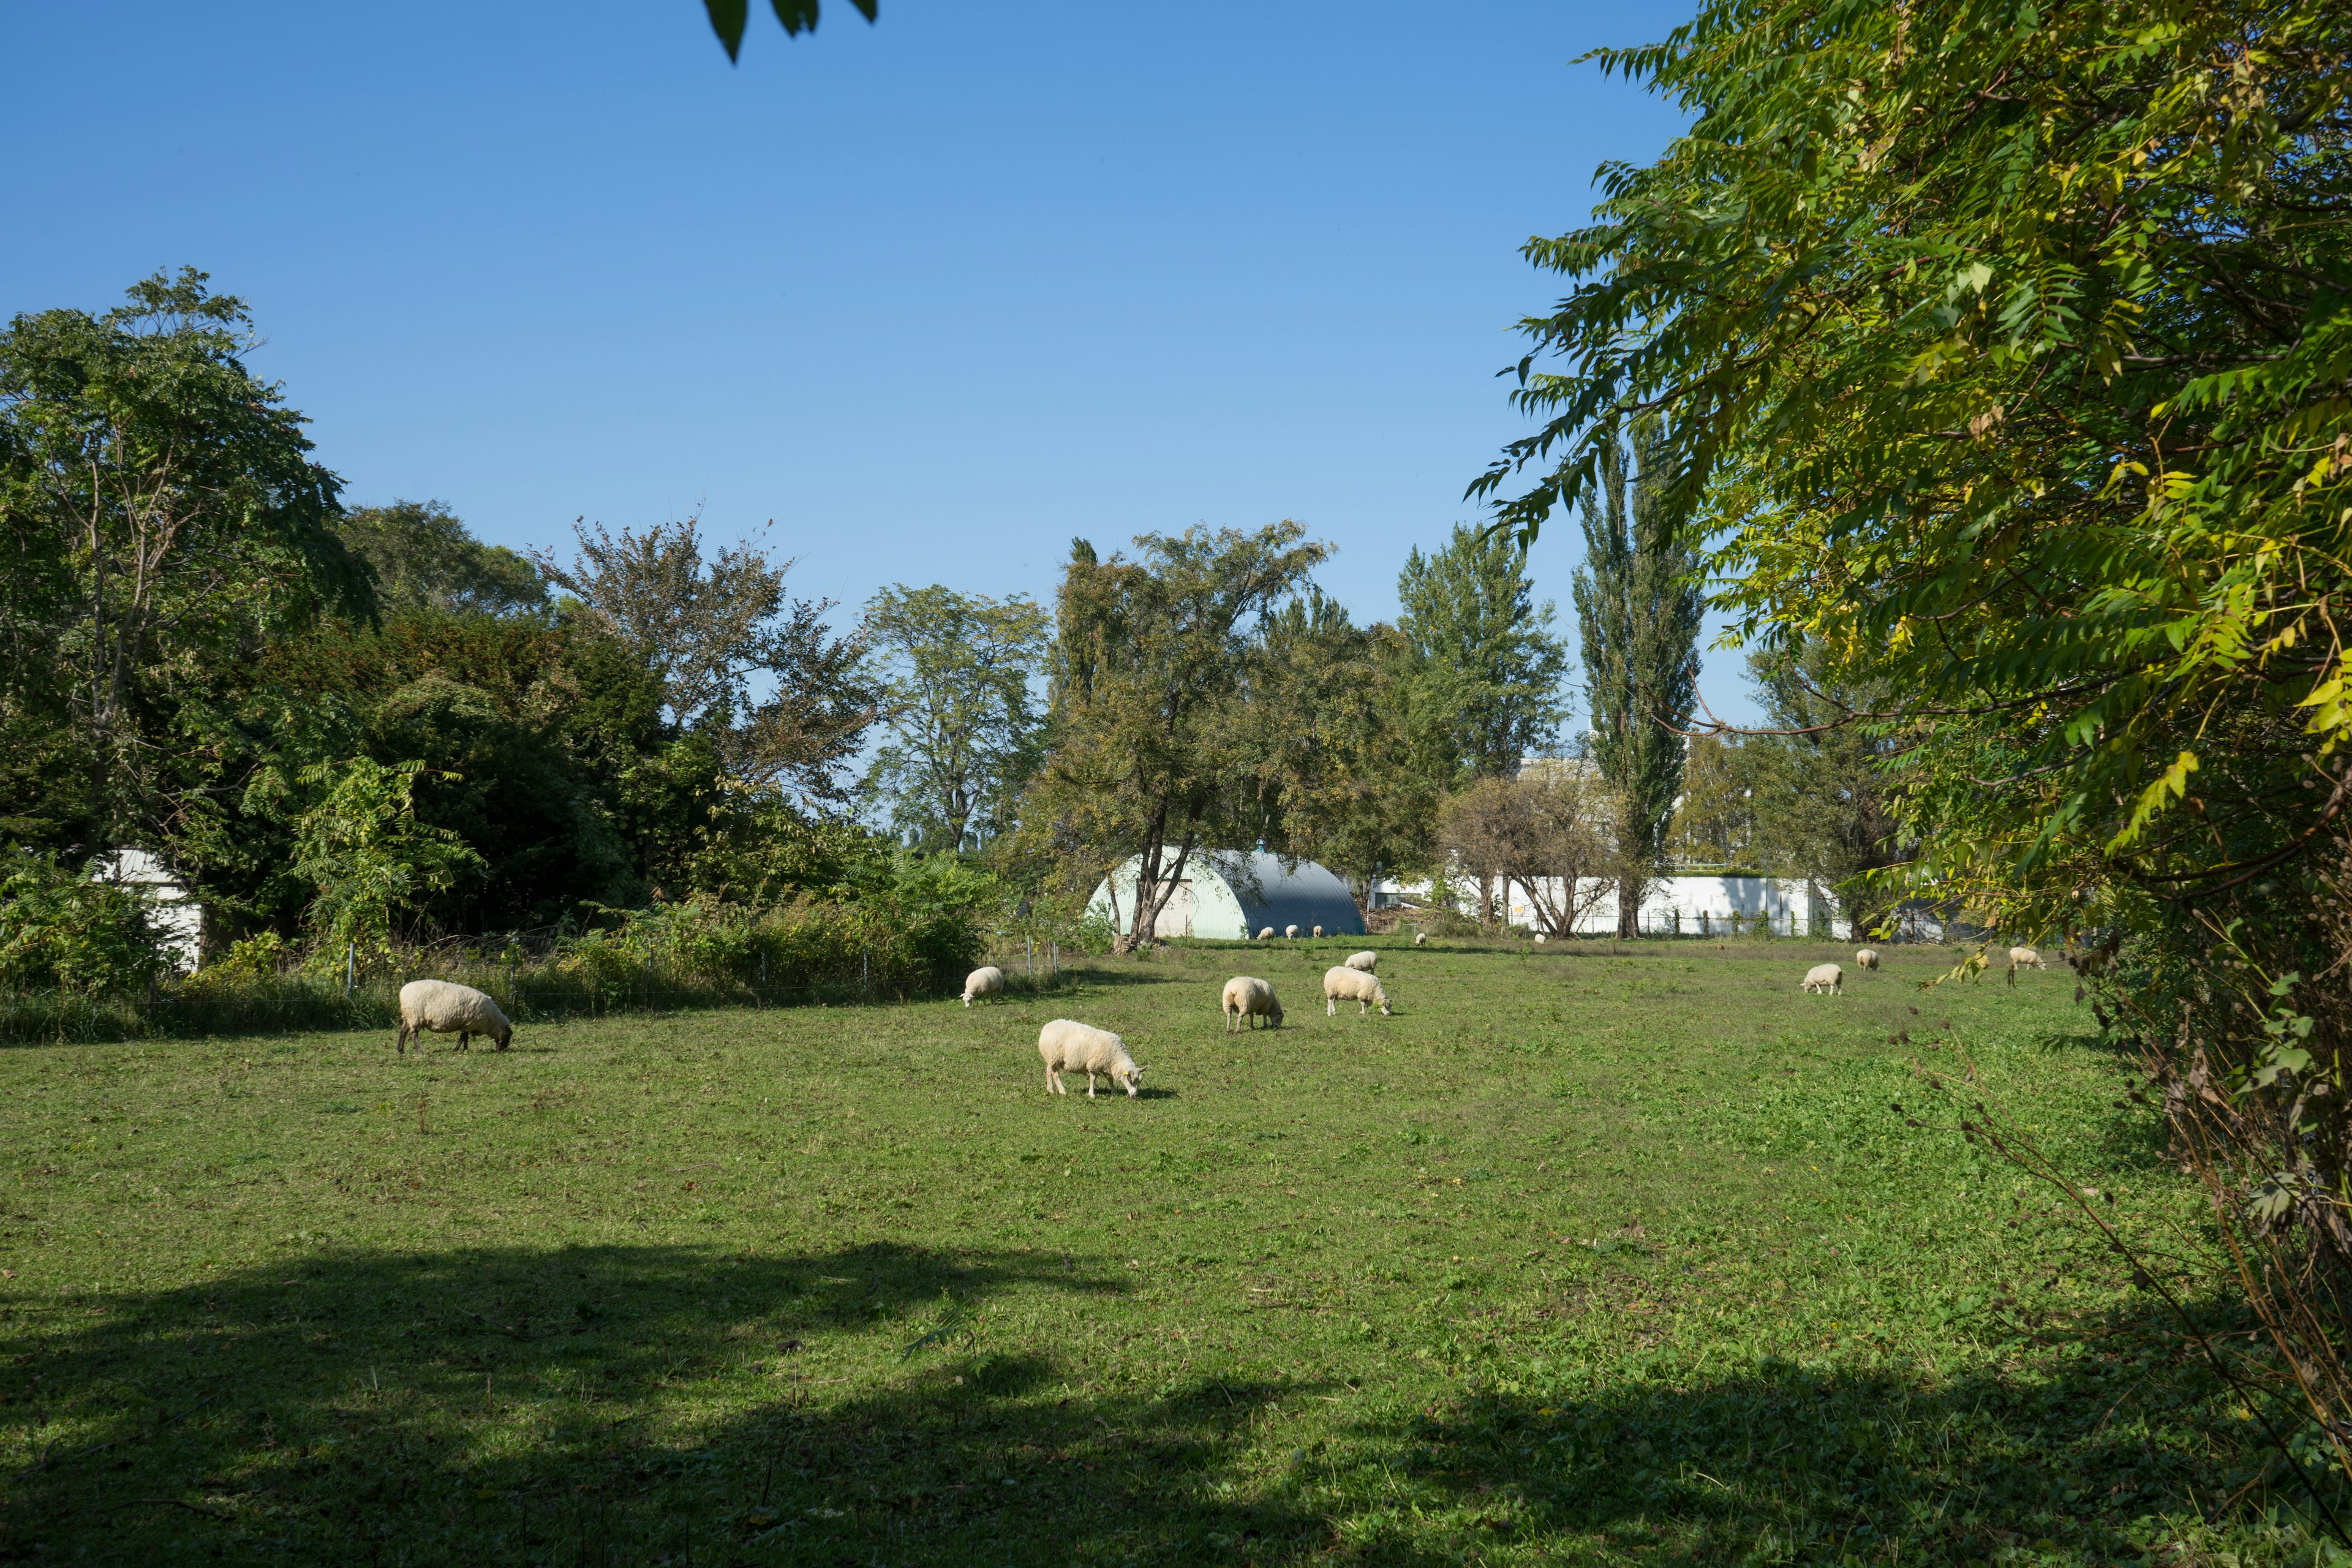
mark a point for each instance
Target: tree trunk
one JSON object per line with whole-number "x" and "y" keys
{"x": 1629, "y": 906}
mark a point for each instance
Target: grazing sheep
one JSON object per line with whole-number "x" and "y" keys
{"x": 987, "y": 982}
{"x": 1070, "y": 1046}
{"x": 1319, "y": 930}
{"x": 1353, "y": 985}
{"x": 2025, "y": 958}
{"x": 1266, "y": 934}
{"x": 1367, "y": 960}
{"x": 1867, "y": 957}
{"x": 447, "y": 1008}
{"x": 1248, "y": 997}
{"x": 1290, "y": 932}
{"x": 1420, "y": 937}
{"x": 1824, "y": 977}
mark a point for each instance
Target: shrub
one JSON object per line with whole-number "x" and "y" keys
{"x": 61, "y": 931}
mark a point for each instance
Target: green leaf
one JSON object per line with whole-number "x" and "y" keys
{"x": 727, "y": 20}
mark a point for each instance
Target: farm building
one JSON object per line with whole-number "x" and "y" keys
{"x": 1233, "y": 894}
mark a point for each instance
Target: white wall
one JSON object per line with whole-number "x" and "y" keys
{"x": 1702, "y": 904}
{"x": 1212, "y": 910}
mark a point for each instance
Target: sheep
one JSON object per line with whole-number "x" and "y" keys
{"x": 2025, "y": 958}
{"x": 1354, "y": 985}
{"x": 1266, "y": 934}
{"x": 1824, "y": 977}
{"x": 1069, "y": 1047}
{"x": 1367, "y": 960}
{"x": 1867, "y": 957}
{"x": 1319, "y": 930}
{"x": 1246, "y": 998}
{"x": 984, "y": 982}
{"x": 1420, "y": 937}
{"x": 447, "y": 1008}
{"x": 1290, "y": 932}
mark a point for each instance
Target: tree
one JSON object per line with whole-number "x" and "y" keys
{"x": 162, "y": 517}
{"x": 1340, "y": 726}
{"x": 1715, "y": 821}
{"x": 423, "y": 556}
{"x": 1153, "y": 752}
{"x": 712, "y": 628}
{"x": 1483, "y": 652}
{"x": 361, "y": 845}
{"x": 1639, "y": 607}
{"x": 2010, "y": 348}
{"x": 1824, "y": 788}
{"x": 1545, "y": 830}
{"x": 955, "y": 696}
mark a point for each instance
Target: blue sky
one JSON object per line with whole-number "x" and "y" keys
{"x": 933, "y": 295}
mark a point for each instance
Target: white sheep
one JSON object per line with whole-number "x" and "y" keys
{"x": 1420, "y": 937}
{"x": 447, "y": 1008}
{"x": 988, "y": 980}
{"x": 1291, "y": 931}
{"x": 1824, "y": 977}
{"x": 1069, "y": 1047}
{"x": 1319, "y": 930}
{"x": 1867, "y": 957}
{"x": 1353, "y": 985}
{"x": 1247, "y": 997}
{"x": 1266, "y": 934}
{"x": 2025, "y": 958}
{"x": 1368, "y": 961}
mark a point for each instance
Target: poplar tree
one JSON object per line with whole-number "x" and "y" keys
{"x": 1639, "y": 607}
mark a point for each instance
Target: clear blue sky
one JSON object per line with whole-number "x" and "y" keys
{"x": 934, "y": 295}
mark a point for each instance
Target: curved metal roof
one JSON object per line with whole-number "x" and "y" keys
{"x": 1310, "y": 896}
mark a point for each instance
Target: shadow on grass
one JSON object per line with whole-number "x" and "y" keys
{"x": 624, "y": 1405}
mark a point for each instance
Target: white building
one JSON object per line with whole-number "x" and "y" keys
{"x": 1683, "y": 906}
{"x": 179, "y": 918}
{"x": 1233, "y": 894}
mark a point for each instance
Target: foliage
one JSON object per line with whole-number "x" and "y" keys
{"x": 1151, "y": 662}
{"x": 76, "y": 934}
{"x": 1484, "y": 658}
{"x": 728, "y": 18}
{"x": 162, "y": 516}
{"x": 423, "y": 556}
{"x": 360, "y": 845}
{"x": 2011, "y": 347}
{"x": 1547, "y": 830}
{"x": 1824, "y": 786}
{"x": 1341, "y": 748}
{"x": 710, "y": 628}
{"x": 1638, "y": 607}
{"x": 956, "y": 699}
{"x": 1715, "y": 821}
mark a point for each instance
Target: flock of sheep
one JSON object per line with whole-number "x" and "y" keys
{"x": 445, "y": 1007}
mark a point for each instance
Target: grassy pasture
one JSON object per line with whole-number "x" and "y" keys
{"x": 1584, "y": 1256}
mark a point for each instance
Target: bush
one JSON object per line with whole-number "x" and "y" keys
{"x": 60, "y": 930}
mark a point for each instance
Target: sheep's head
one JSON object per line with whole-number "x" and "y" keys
{"x": 1130, "y": 1079}
{"x": 505, "y": 1036}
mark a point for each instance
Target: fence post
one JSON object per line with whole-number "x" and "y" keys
{"x": 866, "y": 974}
{"x": 763, "y": 978}
{"x": 351, "y": 968}
{"x": 1055, "y": 957}
{"x": 1029, "y": 959}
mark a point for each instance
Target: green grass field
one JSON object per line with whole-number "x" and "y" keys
{"x": 1594, "y": 1257}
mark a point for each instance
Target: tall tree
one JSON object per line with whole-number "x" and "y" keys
{"x": 955, "y": 695}
{"x": 161, "y": 517}
{"x": 423, "y": 555}
{"x": 1483, "y": 652}
{"x": 1153, "y": 749}
{"x": 1639, "y": 607}
{"x": 1824, "y": 792}
{"x": 716, "y": 629}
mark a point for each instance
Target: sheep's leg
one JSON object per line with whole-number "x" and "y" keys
{"x": 1090, "y": 1083}
{"x": 1331, "y": 1006}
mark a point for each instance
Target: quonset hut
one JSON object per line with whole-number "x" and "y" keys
{"x": 1233, "y": 894}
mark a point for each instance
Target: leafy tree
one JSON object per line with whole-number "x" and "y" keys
{"x": 2011, "y": 346}
{"x": 712, "y": 630}
{"x": 1341, "y": 749}
{"x": 161, "y": 517}
{"x": 1547, "y": 830}
{"x": 1715, "y": 821}
{"x": 423, "y": 557}
{"x": 955, "y": 696}
{"x": 1153, "y": 658}
{"x": 81, "y": 935}
{"x": 1482, "y": 653}
{"x": 361, "y": 845}
{"x": 1824, "y": 786}
{"x": 1639, "y": 607}
{"x": 728, "y": 17}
